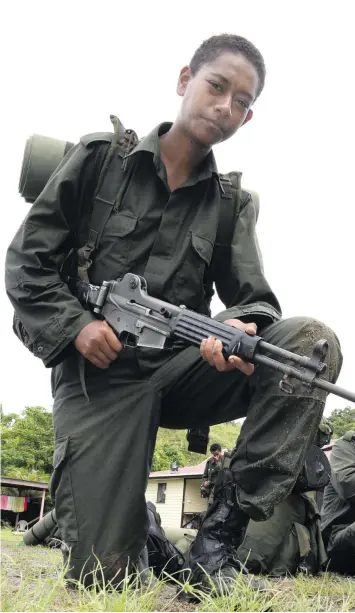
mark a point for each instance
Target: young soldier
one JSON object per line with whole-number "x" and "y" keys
{"x": 162, "y": 226}
{"x": 213, "y": 465}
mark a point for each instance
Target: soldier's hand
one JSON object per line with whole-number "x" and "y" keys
{"x": 98, "y": 343}
{"x": 206, "y": 484}
{"x": 211, "y": 351}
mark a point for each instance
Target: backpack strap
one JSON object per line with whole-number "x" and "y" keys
{"x": 230, "y": 185}
{"x": 231, "y": 200}
{"x": 121, "y": 143}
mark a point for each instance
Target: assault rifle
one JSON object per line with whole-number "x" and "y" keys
{"x": 140, "y": 320}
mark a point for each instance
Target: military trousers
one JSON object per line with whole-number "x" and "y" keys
{"x": 104, "y": 447}
{"x": 341, "y": 549}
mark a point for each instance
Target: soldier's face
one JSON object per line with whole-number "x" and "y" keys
{"x": 217, "y": 99}
{"x": 216, "y": 456}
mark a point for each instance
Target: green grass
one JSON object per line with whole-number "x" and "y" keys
{"x": 33, "y": 580}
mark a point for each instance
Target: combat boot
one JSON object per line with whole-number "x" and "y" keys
{"x": 212, "y": 560}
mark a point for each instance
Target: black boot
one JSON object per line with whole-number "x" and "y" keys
{"x": 212, "y": 559}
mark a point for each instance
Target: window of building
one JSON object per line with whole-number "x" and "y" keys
{"x": 161, "y": 493}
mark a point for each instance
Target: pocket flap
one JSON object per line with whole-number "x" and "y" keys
{"x": 203, "y": 246}
{"x": 121, "y": 224}
{"x": 60, "y": 451}
{"x": 303, "y": 537}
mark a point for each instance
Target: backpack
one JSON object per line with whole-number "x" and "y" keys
{"x": 163, "y": 556}
{"x": 111, "y": 186}
{"x": 107, "y": 196}
{"x": 301, "y": 548}
{"x": 315, "y": 473}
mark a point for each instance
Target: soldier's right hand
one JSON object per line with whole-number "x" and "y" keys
{"x": 98, "y": 343}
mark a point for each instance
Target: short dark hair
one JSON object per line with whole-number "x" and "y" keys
{"x": 214, "y": 46}
{"x": 215, "y": 447}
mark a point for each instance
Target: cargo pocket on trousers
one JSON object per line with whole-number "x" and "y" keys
{"x": 61, "y": 490}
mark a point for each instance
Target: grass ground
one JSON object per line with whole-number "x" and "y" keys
{"x": 32, "y": 579}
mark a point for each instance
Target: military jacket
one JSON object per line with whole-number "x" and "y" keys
{"x": 168, "y": 237}
{"x": 211, "y": 471}
{"x": 339, "y": 496}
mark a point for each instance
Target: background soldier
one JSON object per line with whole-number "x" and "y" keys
{"x": 338, "y": 512}
{"x": 213, "y": 465}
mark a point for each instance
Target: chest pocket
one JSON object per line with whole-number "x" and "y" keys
{"x": 189, "y": 284}
{"x": 116, "y": 246}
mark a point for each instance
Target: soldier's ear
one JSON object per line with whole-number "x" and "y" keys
{"x": 249, "y": 116}
{"x": 184, "y": 78}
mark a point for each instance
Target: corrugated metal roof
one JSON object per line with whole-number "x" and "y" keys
{"x": 30, "y": 485}
{"x": 184, "y": 471}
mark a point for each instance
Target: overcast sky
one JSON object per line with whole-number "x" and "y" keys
{"x": 68, "y": 65}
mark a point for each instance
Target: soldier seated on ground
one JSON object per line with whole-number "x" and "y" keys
{"x": 213, "y": 466}
{"x": 338, "y": 511}
{"x": 288, "y": 542}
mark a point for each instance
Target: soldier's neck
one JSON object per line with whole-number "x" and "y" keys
{"x": 180, "y": 154}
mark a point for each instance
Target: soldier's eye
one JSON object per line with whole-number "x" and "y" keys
{"x": 216, "y": 86}
{"x": 243, "y": 103}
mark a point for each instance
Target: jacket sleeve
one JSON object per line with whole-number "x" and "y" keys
{"x": 50, "y": 314}
{"x": 205, "y": 473}
{"x": 342, "y": 461}
{"x": 241, "y": 284}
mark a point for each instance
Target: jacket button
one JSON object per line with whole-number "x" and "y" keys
{"x": 40, "y": 349}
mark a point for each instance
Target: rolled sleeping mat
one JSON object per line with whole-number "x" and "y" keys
{"x": 41, "y": 530}
{"x": 41, "y": 157}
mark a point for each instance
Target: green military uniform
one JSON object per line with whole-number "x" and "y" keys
{"x": 170, "y": 239}
{"x": 286, "y": 542}
{"x": 338, "y": 511}
{"x": 210, "y": 474}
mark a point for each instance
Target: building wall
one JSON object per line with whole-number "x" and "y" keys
{"x": 170, "y": 511}
{"x": 193, "y": 502}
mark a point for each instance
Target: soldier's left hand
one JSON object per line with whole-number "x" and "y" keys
{"x": 211, "y": 351}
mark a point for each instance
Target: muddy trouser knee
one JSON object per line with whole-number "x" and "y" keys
{"x": 279, "y": 428}
{"x": 273, "y": 443}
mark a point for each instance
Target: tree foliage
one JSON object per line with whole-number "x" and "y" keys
{"x": 172, "y": 445}
{"x": 27, "y": 444}
{"x": 342, "y": 420}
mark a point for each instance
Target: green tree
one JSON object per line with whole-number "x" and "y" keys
{"x": 171, "y": 445}
{"x": 342, "y": 420}
{"x": 27, "y": 444}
